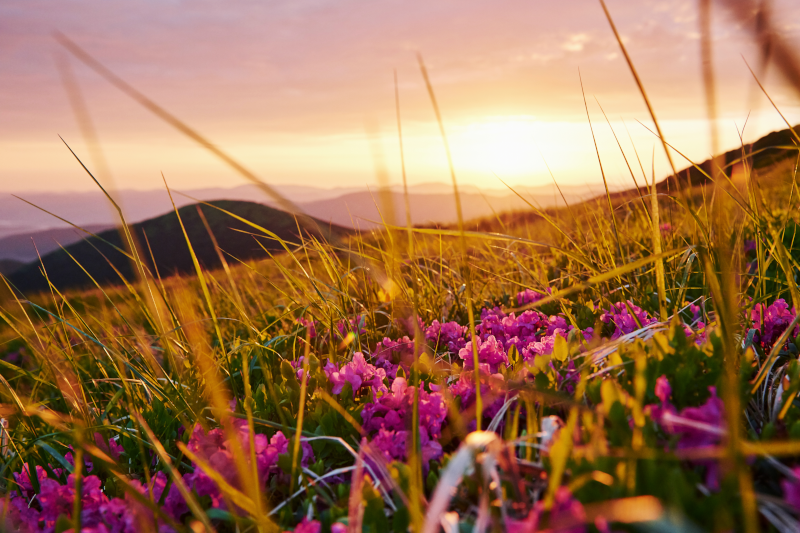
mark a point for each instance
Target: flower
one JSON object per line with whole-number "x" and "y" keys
{"x": 567, "y": 515}
{"x": 620, "y": 316}
{"x": 389, "y": 417}
{"x": 358, "y": 373}
{"x": 528, "y": 296}
{"x": 791, "y": 489}
{"x": 696, "y": 427}
{"x": 449, "y": 335}
{"x": 399, "y": 351}
{"x": 491, "y": 355}
{"x": 772, "y": 321}
{"x": 310, "y": 325}
{"x": 356, "y": 325}
{"x": 307, "y": 526}
{"x": 492, "y": 395}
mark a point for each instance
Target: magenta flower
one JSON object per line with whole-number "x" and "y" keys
{"x": 491, "y": 355}
{"x": 389, "y": 418}
{"x": 449, "y": 335}
{"x": 358, "y": 373}
{"x": 623, "y": 320}
{"x": 791, "y": 489}
{"x": 696, "y": 427}
{"x": 528, "y": 296}
{"x": 566, "y": 516}
{"x": 537, "y": 348}
{"x": 772, "y": 321}
{"x": 356, "y": 325}
{"x": 492, "y": 395}
{"x": 310, "y": 325}
{"x": 307, "y": 526}
{"x": 397, "y": 352}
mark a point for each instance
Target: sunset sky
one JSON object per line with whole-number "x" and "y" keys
{"x": 291, "y": 88}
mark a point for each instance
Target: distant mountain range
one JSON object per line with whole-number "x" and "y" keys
{"x": 22, "y": 224}
{"x": 163, "y": 246}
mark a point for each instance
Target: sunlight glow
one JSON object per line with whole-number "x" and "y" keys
{"x": 506, "y": 146}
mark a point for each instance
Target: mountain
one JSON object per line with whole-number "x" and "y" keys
{"x": 168, "y": 246}
{"x": 23, "y": 247}
{"x": 769, "y": 150}
{"x": 7, "y": 266}
{"x": 88, "y": 208}
{"x": 93, "y": 209}
{"x": 363, "y": 210}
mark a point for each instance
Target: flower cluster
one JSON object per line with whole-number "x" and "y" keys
{"x": 310, "y": 325}
{"x": 567, "y": 515}
{"x": 491, "y": 354}
{"x": 358, "y": 373}
{"x": 626, "y": 318}
{"x": 492, "y": 395}
{"x": 528, "y": 296}
{"x": 307, "y": 526}
{"x": 29, "y": 512}
{"x": 449, "y": 335}
{"x": 695, "y": 427}
{"x": 389, "y": 418}
{"x": 772, "y": 321}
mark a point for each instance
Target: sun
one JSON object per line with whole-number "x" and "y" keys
{"x": 506, "y": 146}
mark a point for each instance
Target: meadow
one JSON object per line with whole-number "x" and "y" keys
{"x": 629, "y": 363}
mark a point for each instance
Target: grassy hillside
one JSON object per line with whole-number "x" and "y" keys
{"x": 7, "y": 266}
{"x": 163, "y": 247}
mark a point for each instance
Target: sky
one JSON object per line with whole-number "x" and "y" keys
{"x": 302, "y": 91}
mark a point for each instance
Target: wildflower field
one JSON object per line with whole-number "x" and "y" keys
{"x": 626, "y": 364}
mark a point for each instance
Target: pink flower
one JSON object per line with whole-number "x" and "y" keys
{"x": 772, "y": 321}
{"x": 358, "y": 373}
{"x": 491, "y": 355}
{"x": 791, "y": 489}
{"x": 389, "y": 417}
{"x": 449, "y": 335}
{"x": 623, "y": 320}
{"x": 696, "y": 427}
{"x": 566, "y": 516}
{"x": 528, "y": 296}
{"x": 310, "y": 325}
{"x": 397, "y": 352}
{"x": 354, "y": 325}
{"x": 307, "y": 526}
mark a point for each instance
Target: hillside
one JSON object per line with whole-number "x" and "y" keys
{"x": 7, "y": 266}
{"x": 345, "y": 206}
{"x": 23, "y": 247}
{"x": 166, "y": 243}
{"x": 765, "y": 152}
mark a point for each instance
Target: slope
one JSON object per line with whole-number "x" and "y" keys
{"x": 161, "y": 238}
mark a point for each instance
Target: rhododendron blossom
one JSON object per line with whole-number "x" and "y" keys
{"x": 358, "y": 373}
{"x": 389, "y": 419}
{"x": 619, "y": 315}
{"x": 772, "y": 321}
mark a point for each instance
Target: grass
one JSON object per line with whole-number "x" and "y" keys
{"x": 656, "y": 388}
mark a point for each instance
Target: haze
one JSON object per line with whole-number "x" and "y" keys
{"x": 292, "y": 88}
